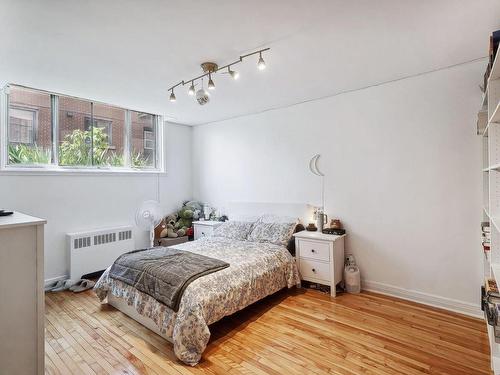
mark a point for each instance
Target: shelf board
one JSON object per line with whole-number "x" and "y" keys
{"x": 482, "y": 122}
{"x": 496, "y": 222}
{"x": 495, "y": 117}
{"x": 494, "y": 167}
{"x": 486, "y": 211}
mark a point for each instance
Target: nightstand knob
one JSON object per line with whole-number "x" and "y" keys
{"x": 313, "y": 270}
{"x": 313, "y": 251}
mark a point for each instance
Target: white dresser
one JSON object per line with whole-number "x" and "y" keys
{"x": 204, "y": 228}
{"x": 22, "y": 315}
{"x": 320, "y": 258}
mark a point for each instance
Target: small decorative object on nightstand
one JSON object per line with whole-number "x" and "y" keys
{"x": 311, "y": 227}
{"x": 320, "y": 258}
{"x": 335, "y": 224}
{"x": 204, "y": 228}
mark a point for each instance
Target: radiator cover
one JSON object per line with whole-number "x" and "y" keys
{"x": 96, "y": 250}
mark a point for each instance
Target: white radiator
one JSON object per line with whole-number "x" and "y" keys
{"x": 97, "y": 250}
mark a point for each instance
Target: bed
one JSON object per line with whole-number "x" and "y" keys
{"x": 257, "y": 270}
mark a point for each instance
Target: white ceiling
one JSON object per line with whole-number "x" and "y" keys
{"x": 129, "y": 52}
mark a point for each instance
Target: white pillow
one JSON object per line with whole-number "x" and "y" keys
{"x": 271, "y": 218}
{"x": 277, "y": 233}
{"x": 244, "y": 218}
{"x": 236, "y": 230}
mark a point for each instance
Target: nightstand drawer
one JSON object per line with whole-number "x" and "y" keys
{"x": 314, "y": 250}
{"x": 314, "y": 269}
{"x": 203, "y": 231}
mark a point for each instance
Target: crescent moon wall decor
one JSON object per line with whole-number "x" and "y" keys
{"x": 313, "y": 167}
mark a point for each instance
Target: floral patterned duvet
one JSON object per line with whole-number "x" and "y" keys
{"x": 256, "y": 270}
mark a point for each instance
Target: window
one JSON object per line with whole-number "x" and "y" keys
{"x": 87, "y": 134}
{"x": 149, "y": 139}
{"x": 22, "y": 124}
{"x": 105, "y": 125}
{"x": 29, "y": 127}
{"x": 112, "y": 121}
{"x": 142, "y": 153}
{"x": 75, "y": 141}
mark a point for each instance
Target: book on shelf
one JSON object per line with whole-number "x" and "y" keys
{"x": 485, "y": 235}
{"x": 495, "y": 41}
{"x": 490, "y": 304}
{"x": 490, "y": 286}
{"x": 492, "y": 51}
{"x": 491, "y": 313}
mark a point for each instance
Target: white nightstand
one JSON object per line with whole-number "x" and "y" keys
{"x": 204, "y": 228}
{"x": 320, "y": 257}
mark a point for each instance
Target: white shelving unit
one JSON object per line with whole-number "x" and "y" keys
{"x": 488, "y": 125}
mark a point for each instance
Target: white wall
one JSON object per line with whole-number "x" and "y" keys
{"x": 79, "y": 202}
{"x": 402, "y": 164}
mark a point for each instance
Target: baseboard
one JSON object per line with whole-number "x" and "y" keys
{"x": 394, "y": 291}
{"x": 54, "y": 279}
{"x": 425, "y": 298}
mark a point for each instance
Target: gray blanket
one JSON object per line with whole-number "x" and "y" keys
{"x": 162, "y": 272}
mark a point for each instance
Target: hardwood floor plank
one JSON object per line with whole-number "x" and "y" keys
{"x": 294, "y": 332}
{"x": 58, "y": 363}
{"x": 50, "y": 368}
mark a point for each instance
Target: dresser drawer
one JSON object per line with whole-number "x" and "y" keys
{"x": 203, "y": 231}
{"x": 314, "y": 250}
{"x": 313, "y": 269}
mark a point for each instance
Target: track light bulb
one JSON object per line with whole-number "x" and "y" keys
{"x": 211, "y": 84}
{"x": 261, "y": 64}
{"x": 172, "y": 96}
{"x": 234, "y": 75}
{"x": 191, "y": 89}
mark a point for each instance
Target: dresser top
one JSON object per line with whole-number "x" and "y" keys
{"x": 317, "y": 236}
{"x": 18, "y": 219}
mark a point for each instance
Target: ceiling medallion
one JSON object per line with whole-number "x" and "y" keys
{"x": 209, "y": 69}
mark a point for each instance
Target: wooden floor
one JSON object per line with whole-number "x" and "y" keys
{"x": 297, "y": 332}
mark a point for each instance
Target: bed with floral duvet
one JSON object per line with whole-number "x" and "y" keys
{"x": 260, "y": 265}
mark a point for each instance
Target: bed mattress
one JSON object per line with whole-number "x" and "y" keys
{"x": 256, "y": 270}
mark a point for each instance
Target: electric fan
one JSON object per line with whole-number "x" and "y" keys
{"x": 147, "y": 217}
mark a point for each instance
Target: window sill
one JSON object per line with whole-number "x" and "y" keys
{"x": 45, "y": 171}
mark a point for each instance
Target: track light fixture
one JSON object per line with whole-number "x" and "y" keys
{"x": 210, "y": 68}
{"x": 172, "y": 96}
{"x": 202, "y": 97}
{"x": 234, "y": 75}
{"x": 261, "y": 64}
{"x": 211, "y": 84}
{"x": 191, "y": 89}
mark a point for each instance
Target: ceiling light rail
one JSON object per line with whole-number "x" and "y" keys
{"x": 210, "y": 68}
